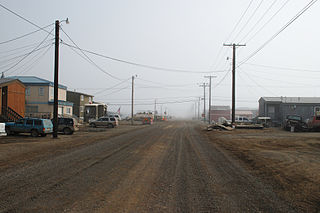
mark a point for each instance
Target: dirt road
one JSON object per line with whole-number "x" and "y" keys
{"x": 167, "y": 167}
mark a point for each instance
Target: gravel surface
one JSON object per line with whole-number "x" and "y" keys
{"x": 166, "y": 167}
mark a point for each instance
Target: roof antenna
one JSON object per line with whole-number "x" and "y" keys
{"x": 2, "y": 75}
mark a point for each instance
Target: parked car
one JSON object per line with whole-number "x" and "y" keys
{"x": 296, "y": 122}
{"x": 66, "y": 125}
{"x": 34, "y": 126}
{"x": 109, "y": 122}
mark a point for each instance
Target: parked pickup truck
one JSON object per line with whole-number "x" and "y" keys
{"x": 34, "y": 126}
{"x": 314, "y": 123}
{"x": 296, "y": 122}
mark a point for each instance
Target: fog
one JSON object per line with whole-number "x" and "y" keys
{"x": 179, "y": 41}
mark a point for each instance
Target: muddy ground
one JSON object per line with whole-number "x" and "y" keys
{"x": 165, "y": 167}
{"x": 288, "y": 161}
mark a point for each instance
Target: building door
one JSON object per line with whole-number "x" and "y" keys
{"x": 4, "y": 99}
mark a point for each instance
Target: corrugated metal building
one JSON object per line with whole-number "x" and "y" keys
{"x": 279, "y": 107}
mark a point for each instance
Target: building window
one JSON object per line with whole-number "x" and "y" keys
{"x": 81, "y": 108}
{"x": 41, "y": 91}
{"x": 90, "y": 99}
{"x": 28, "y": 91}
{"x": 69, "y": 111}
{"x": 82, "y": 97}
{"x": 317, "y": 110}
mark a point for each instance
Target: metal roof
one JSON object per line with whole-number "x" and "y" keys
{"x": 220, "y": 107}
{"x": 296, "y": 100}
{"x": 33, "y": 80}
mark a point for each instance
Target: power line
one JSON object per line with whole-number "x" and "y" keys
{"x": 25, "y": 35}
{"x": 19, "y": 56}
{"x": 259, "y": 20}
{"x": 274, "y": 15}
{"x": 250, "y": 18}
{"x": 91, "y": 61}
{"x": 281, "y": 30}
{"x": 27, "y": 54}
{"x": 29, "y": 46}
{"x": 34, "y": 62}
{"x": 283, "y": 68}
{"x": 143, "y": 65}
{"x": 25, "y": 19}
{"x": 111, "y": 87}
{"x": 234, "y": 28}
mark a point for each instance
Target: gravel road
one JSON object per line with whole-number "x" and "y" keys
{"x": 167, "y": 167}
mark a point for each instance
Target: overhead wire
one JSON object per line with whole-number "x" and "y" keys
{"x": 234, "y": 28}
{"x": 11, "y": 67}
{"x": 277, "y": 33}
{"x": 91, "y": 61}
{"x": 269, "y": 20}
{"x": 31, "y": 66}
{"x": 250, "y": 18}
{"x": 258, "y": 21}
{"x": 25, "y": 35}
{"x": 283, "y": 68}
{"x": 25, "y": 19}
{"x": 142, "y": 65}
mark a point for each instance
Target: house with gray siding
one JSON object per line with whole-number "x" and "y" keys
{"x": 277, "y": 108}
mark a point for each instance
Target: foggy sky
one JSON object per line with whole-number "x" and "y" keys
{"x": 184, "y": 34}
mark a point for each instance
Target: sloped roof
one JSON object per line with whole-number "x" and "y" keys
{"x": 5, "y": 80}
{"x": 33, "y": 80}
{"x": 302, "y": 100}
{"x": 220, "y": 107}
{"x": 8, "y": 80}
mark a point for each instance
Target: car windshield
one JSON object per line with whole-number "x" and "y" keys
{"x": 294, "y": 117}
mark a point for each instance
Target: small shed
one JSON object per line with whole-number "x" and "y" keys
{"x": 12, "y": 98}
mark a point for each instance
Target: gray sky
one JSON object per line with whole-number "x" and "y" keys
{"x": 179, "y": 34}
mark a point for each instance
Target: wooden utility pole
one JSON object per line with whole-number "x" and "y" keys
{"x": 210, "y": 77}
{"x": 132, "y": 96}
{"x": 204, "y": 85}
{"x": 56, "y": 78}
{"x": 233, "y": 78}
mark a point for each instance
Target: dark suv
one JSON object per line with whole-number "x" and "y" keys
{"x": 66, "y": 125}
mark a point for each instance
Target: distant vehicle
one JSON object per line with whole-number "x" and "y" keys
{"x": 241, "y": 119}
{"x": 34, "y": 126}
{"x": 66, "y": 125}
{"x": 147, "y": 120}
{"x": 296, "y": 122}
{"x": 109, "y": 122}
{"x": 115, "y": 116}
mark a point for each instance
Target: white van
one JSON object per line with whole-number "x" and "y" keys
{"x": 241, "y": 119}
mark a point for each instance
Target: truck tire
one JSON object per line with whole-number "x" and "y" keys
{"x": 34, "y": 133}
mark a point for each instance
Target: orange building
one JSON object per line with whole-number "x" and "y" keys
{"x": 12, "y": 99}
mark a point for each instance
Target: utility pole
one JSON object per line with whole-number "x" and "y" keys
{"x": 132, "y": 96}
{"x": 199, "y": 108}
{"x": 204, "y": 85}
{"x": 155, "y": 108}
{"x": 56, "y": 75}
{"x": 234, "y": 78}
{"x": 210, "y": 77}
